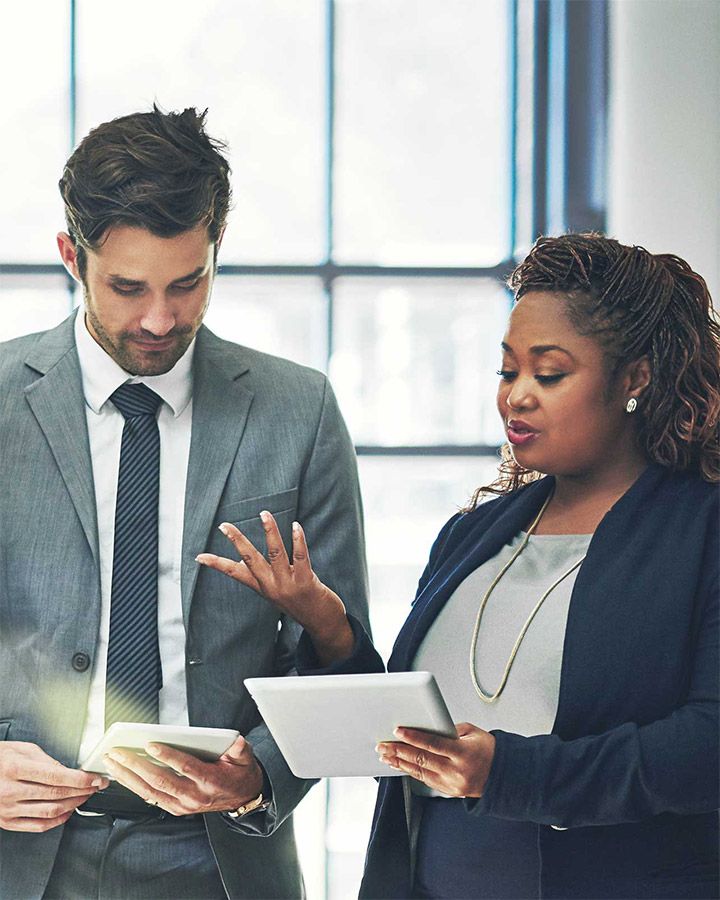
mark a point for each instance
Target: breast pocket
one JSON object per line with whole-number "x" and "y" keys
{"x": 245, "y": 515}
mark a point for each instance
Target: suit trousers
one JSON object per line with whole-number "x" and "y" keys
{"x": 108, "y": 858}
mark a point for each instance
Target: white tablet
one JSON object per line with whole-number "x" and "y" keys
{"x": 328, "y": 725}
{"x": 205, "y": 743}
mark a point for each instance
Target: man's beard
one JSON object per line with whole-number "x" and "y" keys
{"x": 130, "y": 357}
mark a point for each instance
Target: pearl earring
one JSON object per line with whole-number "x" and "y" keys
{"x": 631, "y": 405}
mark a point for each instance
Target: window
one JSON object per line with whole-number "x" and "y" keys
{"x": 391, "y": 160}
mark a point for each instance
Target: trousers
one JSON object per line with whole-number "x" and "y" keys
{"x": 108, "y": 858}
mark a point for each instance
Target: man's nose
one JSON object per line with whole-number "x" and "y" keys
{"x": 158, "y": 318}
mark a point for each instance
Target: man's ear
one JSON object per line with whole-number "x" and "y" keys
{"x": 637, "y": 376}
{"x": 68, "y": 254}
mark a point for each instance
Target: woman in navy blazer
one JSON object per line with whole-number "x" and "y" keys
{"x": 612, "y": 358}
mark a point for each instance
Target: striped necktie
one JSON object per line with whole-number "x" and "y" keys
{"x": 134, "y": 672}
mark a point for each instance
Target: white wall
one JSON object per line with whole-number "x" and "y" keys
{"x": 664, "y": 150}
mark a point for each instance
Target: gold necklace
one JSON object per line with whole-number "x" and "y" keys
{"x": 491, "y": 698}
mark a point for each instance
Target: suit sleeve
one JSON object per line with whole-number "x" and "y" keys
{"x": 330, "y": 511}
{"x": 626, "y": 774}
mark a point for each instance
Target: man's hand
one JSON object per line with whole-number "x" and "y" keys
{"x": 457, "y": 767}
{"x": 37, "y": 792}
{"x": 189, "y": 785}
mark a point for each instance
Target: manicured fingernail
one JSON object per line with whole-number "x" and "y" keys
{"x": 100, "y": 782}
{"x": 153, "y": 749}
{"x": 265, "y": 516}
{"x": 296, "y": 527}
{"x": 380, "y": 748}
{"x": 224, "y": 529}
{"x": 398, "y": 732}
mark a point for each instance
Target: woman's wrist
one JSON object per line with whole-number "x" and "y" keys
{"x": 332, "y": 637}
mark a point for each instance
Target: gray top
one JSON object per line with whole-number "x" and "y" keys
{"x": 528, "y": 705}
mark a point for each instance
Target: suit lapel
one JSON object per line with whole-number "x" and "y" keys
{"x": 479, "y": 545}
{"x": 58, "y": 404}
{"x": 220, "y": 410}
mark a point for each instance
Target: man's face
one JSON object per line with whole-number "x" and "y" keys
{"x": 145, "y": 296}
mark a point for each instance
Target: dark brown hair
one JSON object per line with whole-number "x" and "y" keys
{"x": 153, "y": 170}
{"x": 635, "y": 304}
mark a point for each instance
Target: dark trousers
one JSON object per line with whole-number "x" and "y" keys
{"x": 107, "y": 858}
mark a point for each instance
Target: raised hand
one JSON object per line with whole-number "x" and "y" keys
{"x": 293, "y": 587}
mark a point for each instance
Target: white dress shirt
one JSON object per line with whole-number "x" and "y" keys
{"x": 101, "y": 376}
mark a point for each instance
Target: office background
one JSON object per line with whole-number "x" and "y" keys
{"x": 391, "y": 159}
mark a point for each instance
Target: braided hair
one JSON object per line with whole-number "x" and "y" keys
{"x": 635, "y": 303}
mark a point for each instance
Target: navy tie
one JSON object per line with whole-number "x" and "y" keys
{"x": 134, "y": 673}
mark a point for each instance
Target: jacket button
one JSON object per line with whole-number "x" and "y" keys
{"x": 80, "y": 662}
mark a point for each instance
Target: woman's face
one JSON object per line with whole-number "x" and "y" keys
{"x": 552, "y": 391}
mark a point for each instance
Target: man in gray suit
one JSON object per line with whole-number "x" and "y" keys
{"x": 133, "y": 404}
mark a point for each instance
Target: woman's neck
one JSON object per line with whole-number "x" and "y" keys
{"x": 579, "y": 502}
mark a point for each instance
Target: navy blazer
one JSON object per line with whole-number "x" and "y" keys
{"x": 630, "y": 770}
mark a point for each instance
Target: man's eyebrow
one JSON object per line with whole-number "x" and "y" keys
{"x": 539, "y": 349}
{"x": 196, "y": 273}
{"x": 120, "y": 279}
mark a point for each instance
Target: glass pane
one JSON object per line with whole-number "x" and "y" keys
{"x": 258, "y": 65}
{"x": 414, "y": 360}
{"x": 350, "y": 808}
{"x": 422, "y": 171}
{"x": 34, "y": 67}
{"x": 407, "y": 501}
{"x": 283, "y": 316}
{"x": 32, "y": 303}
{"x": 309, "y": 827}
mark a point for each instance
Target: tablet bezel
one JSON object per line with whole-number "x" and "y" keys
{"x": 205, "y": 743}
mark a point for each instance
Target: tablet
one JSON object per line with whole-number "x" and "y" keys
{"x": 205, "y": 743}
{"x": 328, "y": 725}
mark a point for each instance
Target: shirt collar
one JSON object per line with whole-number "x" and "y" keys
{"x": 101, "y": 375}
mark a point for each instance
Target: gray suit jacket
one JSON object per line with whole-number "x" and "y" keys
{"x": 266, "y": 434}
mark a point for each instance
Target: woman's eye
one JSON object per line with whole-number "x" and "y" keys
{"x": 550, "y": 379}
{"x": 185, "y": 288}
{"x": 506, "y": 374}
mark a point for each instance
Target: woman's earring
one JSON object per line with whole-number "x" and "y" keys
{"x": 631, "y": 405}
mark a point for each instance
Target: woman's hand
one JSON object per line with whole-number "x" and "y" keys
{"x": 292, "y": 587}
{"x": 457, "y": 767}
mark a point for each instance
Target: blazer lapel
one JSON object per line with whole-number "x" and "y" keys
{"x": 58, "y": 404}
{"x": 220, "y": 410}
{"x": 479, "y": 545}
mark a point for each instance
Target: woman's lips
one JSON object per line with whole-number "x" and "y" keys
{"x": 519, "y": 437}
